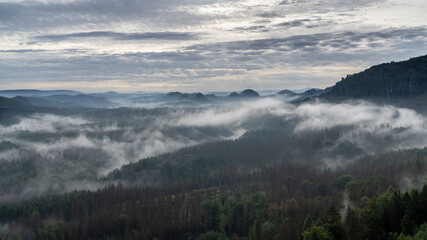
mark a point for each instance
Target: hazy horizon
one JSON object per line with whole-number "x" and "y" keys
{"x": 260, "y": 91}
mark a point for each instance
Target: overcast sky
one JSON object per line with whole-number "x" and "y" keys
{"x": 202, "y": 45}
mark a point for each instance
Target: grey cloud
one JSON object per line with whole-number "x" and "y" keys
{"x": 200, "y": 62}
{"x": 22, "y": 51}
{"x": 290, "y": 24}
{"x": 270, "y": 14}
{"x": 176, "y": 20}
{"x": 8, "y": 11}
{"x": 121, "y": 36}
{"x": 324, "y": 4}
{"x": 286, "y": 2}
{"x": 308, "y": 23}
{"x": 341, "y": 40}
{"x": 262, "y": 21}
{"x": 402, "y": 33}
{"x": 36, "y": 15}
{"x": 256, "y": 28}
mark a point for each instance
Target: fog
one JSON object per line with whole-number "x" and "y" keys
{"x": 236, "y": 114}
{"x": 404, "y": 128}
{"x": 43, "y": 122}
{"x": 63, "y": 152}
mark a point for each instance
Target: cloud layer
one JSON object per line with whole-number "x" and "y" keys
{"x": 194, "y": 45}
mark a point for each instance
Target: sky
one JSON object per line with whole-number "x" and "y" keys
{"x": 202, "y": 45}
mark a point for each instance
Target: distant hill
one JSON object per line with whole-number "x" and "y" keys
{"x": 314, "y": 92}
{"x": 35, "y": 101}
{"x": 11, "y": 110}
{"x": 7, "y": 103}
{"x": 178, "y": 96}
{"x": 233, "y": 94}
{"x": 388, "y": 80}
{"x": 298, "y": 97}
{"x": 174, "y": 95}
{"x": 287, "y": 92}
{"x": 247, "y": 93}
{"x": 63, "y": 100}
{"x": 199, "y": 97}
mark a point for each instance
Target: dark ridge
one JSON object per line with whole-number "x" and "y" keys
{"x": 211, "y": 96}
{"x": 12, "y": 109}
{"x": 388, "y": 80}
{"x": 199, "y": 97}
{"x": 233, "y": 94}
{"x": 287, "y": 92}
{"x": 249, "y": 93}
{"x": 63, "y": 100}
{"x": 174, "y": 95}
{"x": 11, "y": 103}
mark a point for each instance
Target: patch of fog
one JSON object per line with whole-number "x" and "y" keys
{"x": 65, "y": 162}
{"x": 42, "y": 122}
{"x": 146, "y": 144}
{"x": 52, "y": 149}
{"x": 345, "y": 205}
{"x": 338, "y": 162}
{"x": 411, "y": 181}
{"x": 235, "y": 114}
{"x": 363, "y": 115}
{"x": 402, "y": 128}
{"x": 49, "y": 184}
{"x": 10, "y": 155}
{"x": 4, "y": 228}
{"x": 237, "y": 134}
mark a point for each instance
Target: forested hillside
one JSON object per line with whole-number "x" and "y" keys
{"x": 10, "y": 109}
{"x": 388, "y": 80}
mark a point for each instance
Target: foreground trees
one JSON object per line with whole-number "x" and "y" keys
{"x": 280, "y": 201}
{"x": 121, "y": 213}
{"x": 387, "y": 216}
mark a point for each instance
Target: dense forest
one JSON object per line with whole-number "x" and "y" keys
{"x": 280, "y": 201}
{"x": 395, "y": 79}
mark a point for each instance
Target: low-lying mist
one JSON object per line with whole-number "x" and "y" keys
{"x": 401, "y": 128}
{"x": 46, "y": 153}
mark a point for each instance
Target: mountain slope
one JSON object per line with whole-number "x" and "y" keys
{"x": 60, "y": 101}
{"x": 247, "y": 93}
{"x": 388, "y": 80}
{"x": 11, "y": 110}
{"x": 287, "y": 92}
{"x": 7, "y": 103}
